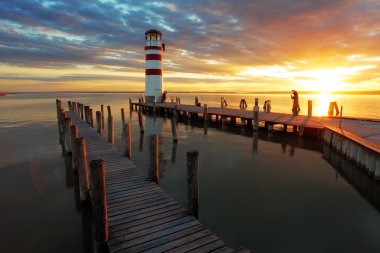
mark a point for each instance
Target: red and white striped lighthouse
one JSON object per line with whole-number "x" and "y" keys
{"x": 153, "y": 65}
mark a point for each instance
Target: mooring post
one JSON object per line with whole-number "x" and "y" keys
{"x": 154, "y": 162}
{"x": 86, "y": 107}
{"x": 141, "y": 124}
{"x": 111, "y": 134}
{"x": 91, "y": 117}
{"x": 192, "y": 183}
{"x": 70, "y": 106}
{"x": 74, "y": 147}
{"x": 310, "y": 108}
{"x": 61, "y": 126}
{"x": 130, "y": 104}
{"x": 58, "y": 104}
{"x": 340, "y": 118}
{"x": 122, "y": 117}
{"x": 67, "y": 126}
{"x": 99, "y": 200}
{"x": 109, "y": 110}
{"x": 102, "y": 116}
{"x": 81, "y": 111}
{"x": 99, "y": 122}
{"x": 256, "y": 115}
{"x": 205, "y": 112}
{"x": 127, "y": 137}
{"x": 174, "y": 129}
{"x": 83, "y": 169}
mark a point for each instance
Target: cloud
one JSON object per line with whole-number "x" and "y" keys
{"x": 217, "y": 37}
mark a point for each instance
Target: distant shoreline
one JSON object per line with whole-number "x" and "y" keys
{"x": 376, "y": 92}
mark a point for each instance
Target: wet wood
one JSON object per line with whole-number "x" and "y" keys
{"x": 192, "y": 183}
{"x": 84, "y": 184}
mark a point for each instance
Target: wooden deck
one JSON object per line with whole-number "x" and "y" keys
{"x": 365, "y": 131}
{"x": 141, "y": 216}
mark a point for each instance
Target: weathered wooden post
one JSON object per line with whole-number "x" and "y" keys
{"x": 122, "y": 117}
{"x": 340, "y": 118}
{"x": 111, "y": 135}
{"x": 99, "y": 200}
{"x": 130, "y": 104}
{"x": 154, "y": 162}
{"x": 174, "y": 129}
{"x": 98, "y": 122}
{"x": 74, "y": 147}
{"x": 91, "y": 117}
{"x": 256, "y": 115}
{"x": 102, "y": 116}
{"x": 84, "y": 184}
{"x": 141, "y": 124}
{"x": 67, "y": 135}
{"x": 127, "y": 137}
{"x": 81, "y": 111}
{"x": 196, "y": 101}
{"x": 205, "y": 112}
{"x": 310, "y": 108}
{"x": 58, "y": 104}
{"x": 154, "y": 107}
{"x": 61, "y": 126}
{"x": 74, "y": 105}
{"x": 192, "y": 183}
{"x": 109, "y": 110}
{"x": 86, "y": 108}
{"x": 70, "y": 105}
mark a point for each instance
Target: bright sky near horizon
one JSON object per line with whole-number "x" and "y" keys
{"x": 215, "y": 45}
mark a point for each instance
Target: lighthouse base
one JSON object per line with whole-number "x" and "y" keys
{"x": 149, "y": 99}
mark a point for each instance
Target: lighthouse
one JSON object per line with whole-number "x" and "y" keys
{"x": 153, "y": 66}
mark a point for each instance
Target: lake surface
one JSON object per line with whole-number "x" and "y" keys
{"x": 271, "y": 193}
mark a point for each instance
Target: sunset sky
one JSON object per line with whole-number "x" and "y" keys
{"x": 215, "y": 45}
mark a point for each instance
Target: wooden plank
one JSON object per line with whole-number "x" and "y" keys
{"x": 205, "y": 244}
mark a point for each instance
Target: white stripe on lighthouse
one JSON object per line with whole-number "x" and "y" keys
{"x": 152, "y": 64}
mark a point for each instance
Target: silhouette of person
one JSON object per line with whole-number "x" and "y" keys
{"x": 296, "y": 107}
{"x": 163, "y": 99}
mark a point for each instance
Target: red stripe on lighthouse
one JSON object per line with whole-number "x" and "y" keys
{"x": 153, "y": 72}
{"x": 157, "y": 57}
{"x": 153, "y": 48}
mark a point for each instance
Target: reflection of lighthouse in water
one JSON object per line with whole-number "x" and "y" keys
{"x": 153, "y": 65}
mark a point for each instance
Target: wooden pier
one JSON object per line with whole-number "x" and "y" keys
{"x": 358, "y": 140}
{"x": 132, "y": 213}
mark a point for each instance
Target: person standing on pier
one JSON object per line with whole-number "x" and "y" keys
{"x": 296, "y": 107}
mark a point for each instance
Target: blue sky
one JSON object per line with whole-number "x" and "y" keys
{"x": 211, "y": 45}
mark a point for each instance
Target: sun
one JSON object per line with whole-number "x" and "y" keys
{"x": 325, "y": 80}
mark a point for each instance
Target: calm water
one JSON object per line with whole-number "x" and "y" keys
{"x": 287, "y": 195}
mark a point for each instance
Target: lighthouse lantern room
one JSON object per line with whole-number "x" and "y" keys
{"x": 153, "y": 66}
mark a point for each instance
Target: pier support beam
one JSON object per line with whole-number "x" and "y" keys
{"x": 256, "y": 115}
{"x": 74, "y": 147}
{"x": 84, "y": 184}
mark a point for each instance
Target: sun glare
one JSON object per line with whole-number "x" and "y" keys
{"x": 324, "y": 80}
{"x": 323, "y": 102}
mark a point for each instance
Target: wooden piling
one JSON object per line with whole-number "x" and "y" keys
{"x": 58, "y": 104}
{"x": 205, "y": 113}
{"x": 102, "y": 115}
{"x": 86, "y": 109}
{"x": 81, "y": 111}
{"x": 127, "y": 138}
{"x": 74, "y": 147}
{"x": 154, "y": 158}
{"x": 98, "y": 122}
{"x": 70, "y": 105}
{"x": 256, "y": 115}
{"x": 310, "y": 108}
{"x": 111, "y": 134}
{"x": 141, "y": 124}
{"x": 109, "y": 110}
{"x": 83, "y": 169}
{"x": 122, "y": 116}
{"x": 340, "y": 118}
{"x": 99, "y": 200}
{"x": 67, "y": 135}
{"x": 174, "y": 129}
{"x": 91, "y": 117}
{"x": 192, "y": 183}
{"x": 130, "y": 104}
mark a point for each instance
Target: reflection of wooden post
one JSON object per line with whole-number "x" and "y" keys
{"x": 174, "y": 129}
{"x": 141, "y": 124}
{"x": 82, "y": 169}
{"x": 205, "y": 113}
{"x": 111, "y": 135}
{"x": 99, "y": 200}
{"x": 192, "y": 183}
{"x": 256, "y": 115}
{"x": 127, "y": 137}
{"x": 74, "y": 146}
{"x": 154, "y": 162}
{"x": 309, "y": 108}
{"x": 98, "y": 122}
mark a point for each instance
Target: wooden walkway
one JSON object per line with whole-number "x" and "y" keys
{"x": 362, "y": 130}
{"x": 141, "y": 216}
